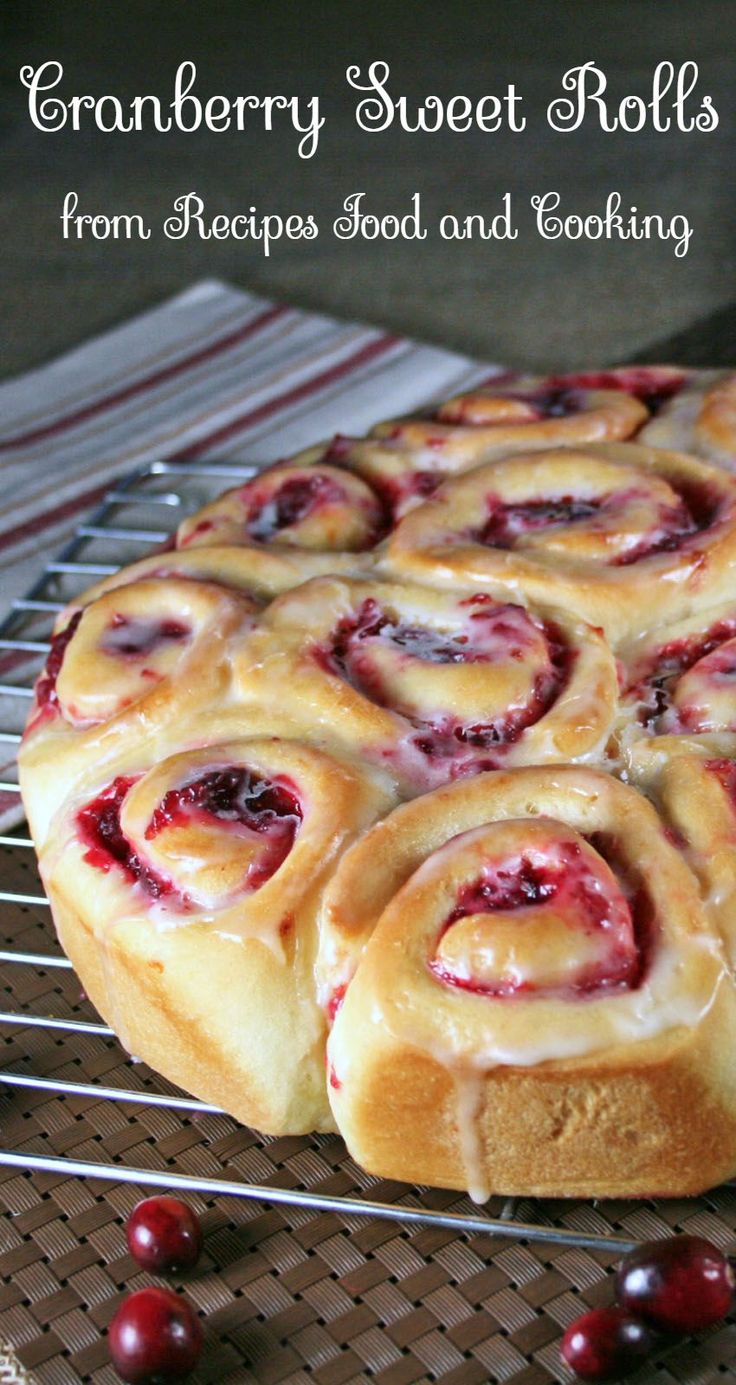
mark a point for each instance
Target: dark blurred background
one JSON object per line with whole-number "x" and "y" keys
{"x": 525, "y": 302}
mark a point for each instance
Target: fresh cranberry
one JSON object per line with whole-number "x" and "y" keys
{"x": 681, "y": 1284}
{"x": 164, "y": 1235}
{"x": 606, "y": 1344}
{"x": 154, "y": 1337}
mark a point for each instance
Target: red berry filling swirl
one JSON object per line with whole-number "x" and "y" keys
{"x": 270, "y": 511}
{"x": 511, "y": 407}
{"x": 689, "y": 684}
{"x": 725, "y": 772}
{"x": 670, "y": 524}
{"x": 485, "y": 633}
{"x": 560, "y": 921}
{"x": 137, "y": 637}
{"x": 292, "y": 503}
{"x": 46, "y": 694}
{"x": 266, "y": 813}
{"x": 653, "y": 385}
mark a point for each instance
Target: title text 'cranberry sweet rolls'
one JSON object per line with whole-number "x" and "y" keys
{"x": 528, "y": 995}
{"x": 622, "y": 535}
{"x": 429, "y": 685}
{"x": 185, "y": 894}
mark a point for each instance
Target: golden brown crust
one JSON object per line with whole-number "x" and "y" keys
{"x": 612, "y": 1128}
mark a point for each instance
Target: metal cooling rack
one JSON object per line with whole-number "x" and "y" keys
{"x": 129, "y": 524}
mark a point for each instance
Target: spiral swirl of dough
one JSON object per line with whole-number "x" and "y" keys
{"x": 186, "y": 895}
{"x": 291, "y": 505}
{"x": 430, "y": 685}
{"x": 620, "y": 534}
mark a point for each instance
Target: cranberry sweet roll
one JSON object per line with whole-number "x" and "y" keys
{"x": 127, "y": 672}
{"x": 528, "y": 995}
{"x": 622, "y": 535}
{"x": 186, "y": 897}
{"x": 430, "y": 685}
{"x": 700, "y": 419}
{"x": 303, "y": 504}
{"x": 678, "y": 693}
{"x": 407, "y": 459}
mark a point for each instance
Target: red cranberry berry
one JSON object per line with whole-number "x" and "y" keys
{"x": 606, "y": 1344}
{"x": 164, "y": 1235}
{"x": 681, "y": 1284}
{"x": 155, "y": 1337}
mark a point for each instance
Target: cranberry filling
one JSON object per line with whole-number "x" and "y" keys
{"x": 507, "y": 522}
{"x": 342, "y": 656}
{"x": 241, "y": 797}
{"x": 340, "y": 448}
{"x": 552, "y": 401}
{"x": 725, "y": 772}
{"x": 107, "y": 846}
{"x": 297, "y": 498}
{"x": 504, "y": 636}
{"x": 336, "y": 1000}
{"x": 695, "y": 510}
{"x": 675, "y": 525}
{"x": 137, "y": 638}
{"x": 205, "y": 526}
{"x": 651, "y": 384}
{"x": 524, "y": 883}
{"x": 396, "y": 491}
{"x": 46, "y": 695}
{"x": 671, "y": 661}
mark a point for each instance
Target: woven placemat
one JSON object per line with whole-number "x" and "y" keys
{"x": 286, "y": 1295}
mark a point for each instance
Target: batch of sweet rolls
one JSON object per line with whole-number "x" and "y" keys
{"x": 399, "y": 798}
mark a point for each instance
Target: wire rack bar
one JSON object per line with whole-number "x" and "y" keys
{"x": 10, "y": 897}
{"x": 84, "y": 569}
{"x": 98, "y": 531}
{"x": 162, "y": 498}
{"x": 26, "y": 646}
{"x": 36, "y": 959}
{"x": 319, "y": 1202}
{"x": 221, "y": 470}
{"x": 23, "y": 1020}
{"x": 143, "y": 1098}
{"x": 24, "y": 603}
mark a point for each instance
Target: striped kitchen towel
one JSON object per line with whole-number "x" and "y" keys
{"x": 214, "y": 373}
